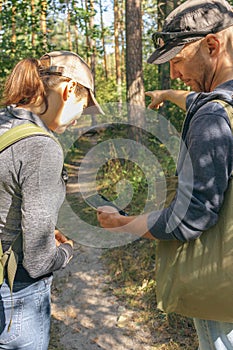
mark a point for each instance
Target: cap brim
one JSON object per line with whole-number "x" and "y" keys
{"x": 93, "y": 106}
{"x": 164, "y": 54}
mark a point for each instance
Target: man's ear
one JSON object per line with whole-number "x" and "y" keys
{"x": 69, "y": 88}
{"x": 213, "y": 44}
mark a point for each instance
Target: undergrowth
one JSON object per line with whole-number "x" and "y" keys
{"x": 132, "y": 272}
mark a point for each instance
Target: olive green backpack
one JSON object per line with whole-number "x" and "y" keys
{"x": 195, "y": 278}
{"x": 9, "y": 258}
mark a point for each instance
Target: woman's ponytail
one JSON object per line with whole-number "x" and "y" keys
{"x": 24, "y": 85}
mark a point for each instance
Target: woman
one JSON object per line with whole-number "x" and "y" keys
{"x": 52, "y": 93}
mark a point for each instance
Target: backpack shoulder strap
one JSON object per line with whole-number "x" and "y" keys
{"x": 228, "y": 108}
{"x": 20, "y": 132}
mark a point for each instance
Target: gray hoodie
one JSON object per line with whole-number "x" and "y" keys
{"x": 204, "y": 168}
{"x": 31, "y": 192}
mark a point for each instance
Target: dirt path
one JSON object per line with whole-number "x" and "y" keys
{"x": 85, "y": 315}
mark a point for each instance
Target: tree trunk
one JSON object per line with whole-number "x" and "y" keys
{"x": 33, "y": 37}
{"x": 76, "y": 38}
{"x": 164, "y": 8}
{"x": 68, "y": 27}
{"x": 87, "y": 35}
{"x": 117, "y": 49}
{"x": 122, "y": 36}
{"x": 43, "y": 23}
{"x": 13, "y": 27}
{"x": 92, "y": 46}
{"x": 103, "y": 40}
{"x": 1, "y": 3}
{"x": 134, "y": 75}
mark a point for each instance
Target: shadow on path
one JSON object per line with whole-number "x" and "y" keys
{"x": 85, "y": 316}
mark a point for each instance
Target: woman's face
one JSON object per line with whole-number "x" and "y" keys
{"x": 64, "y": 108}
{"x": 71, "y": 112}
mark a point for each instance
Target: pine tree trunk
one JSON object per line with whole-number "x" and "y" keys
{"x": 76, "y": 38}
{"x": 1, "y": 3}
{"x": 103, "y": 40}
{"x": 164, "y": 8}
{"x": 43, "y": 23}
{"x": 122, "y": 36}
{"x": 117, "y": 50}
{"x": 68, "y": 27}
{"x": 87, "y": 35}
{"x": 92, "y": 46}
{"x": 13, "y": 27}
{"x": 33, "y": 23}
{"x": 134, "y": 74}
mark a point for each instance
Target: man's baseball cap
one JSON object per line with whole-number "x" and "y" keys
{"x": 70, "y": 65}
{"x": 190, "y": 21}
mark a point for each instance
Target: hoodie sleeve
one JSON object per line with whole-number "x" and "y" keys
{"x": 39, "y": 169}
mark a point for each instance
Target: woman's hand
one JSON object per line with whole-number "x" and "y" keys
{"x": 60, "y": 238}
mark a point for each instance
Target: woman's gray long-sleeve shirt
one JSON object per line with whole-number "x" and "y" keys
{"x": 31, "y": 193}
{"x": 204, "y": 167}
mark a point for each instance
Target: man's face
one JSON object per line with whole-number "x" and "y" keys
{"x": 193, "y": 66}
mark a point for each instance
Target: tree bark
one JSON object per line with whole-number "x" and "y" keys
{"x": 33, "y": 37}
{"x": 68, "y": 33}
{"x": 92, "y": 46}
{"x": 117, "y": 49}
{"x": 103, "y": 40}
{"x": 134, "y": 74}
{"x": 164, "y": 8}
{"x": 122, "y": 36}
{"x": 43, "y": 23}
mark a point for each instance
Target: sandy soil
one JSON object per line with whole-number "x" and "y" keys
{"x": 86, "y": 315}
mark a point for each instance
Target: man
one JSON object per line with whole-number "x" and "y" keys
{"x": 197, "y": 40}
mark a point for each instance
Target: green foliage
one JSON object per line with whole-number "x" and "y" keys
{"x": 28, "y": 26}
{"x": 150, "y": 74}
{"x": 106, "y": 90}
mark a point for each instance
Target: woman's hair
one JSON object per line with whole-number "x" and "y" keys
{"x": 30, "y": 82}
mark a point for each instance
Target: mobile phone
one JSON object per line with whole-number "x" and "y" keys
{"x": 98, "y": 200}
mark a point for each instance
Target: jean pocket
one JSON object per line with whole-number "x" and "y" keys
{"x": 10, "y": 313}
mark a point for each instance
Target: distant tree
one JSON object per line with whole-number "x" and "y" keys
{"x": 33, "y": 14}
{"x": 122, "y": 37}
{"x": 43, "y": 24}
{"x": 117, "y": 48}
{"x": 102, "y": 31}
{"x": 68, "y": 20}
{"x": 92, "y": 44}
{"x": 13, "y": 27}
{"x": 164, "y": 8}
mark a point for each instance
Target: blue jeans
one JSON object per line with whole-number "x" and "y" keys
{"x": 30, "y": 315}
{"x": 214, "y": 335}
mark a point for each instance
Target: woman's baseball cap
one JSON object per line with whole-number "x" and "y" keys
{"x": 190, "y": 21}
{"x": 70, "y": 65}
